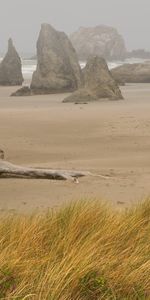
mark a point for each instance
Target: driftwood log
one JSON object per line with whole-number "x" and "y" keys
{"x": 8, "y": 170}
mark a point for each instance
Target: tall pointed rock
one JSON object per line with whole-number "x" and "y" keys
{"x": 10, "y": 67}
{"x": 58, "y": 69}
{"x": 98, "y": 83}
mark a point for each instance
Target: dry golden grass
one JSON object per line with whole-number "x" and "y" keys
{"x": 84, "y": 251}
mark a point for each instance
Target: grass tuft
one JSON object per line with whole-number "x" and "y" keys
{"x": 84, "y": 251}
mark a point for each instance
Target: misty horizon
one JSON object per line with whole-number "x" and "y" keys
{"x": 21, "y": 20}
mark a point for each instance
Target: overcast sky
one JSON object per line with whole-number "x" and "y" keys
{"x": 21, "y": 19}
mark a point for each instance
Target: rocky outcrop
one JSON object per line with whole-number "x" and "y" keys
{"x": 98, "y": 83}
{"x": 102, "y": 40}
{"x": 58, "y": 69}
{"x": 10, "y": 67}
{"x": 24, "y": 91}
{"x": 132, "y": 73}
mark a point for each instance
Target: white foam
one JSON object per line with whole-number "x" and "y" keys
{"x": 28, "y": 67}
{"x": 82, "y": 64}
{"x": 132, "y": 60}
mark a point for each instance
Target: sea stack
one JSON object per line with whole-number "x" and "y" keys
{"x": 101, "y": 40}
{"x": 98, "y": 83}
{"x": 10, "y": 67}
{"x": 58, "y": 69}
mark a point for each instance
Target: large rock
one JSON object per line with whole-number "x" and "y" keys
{"x": 132, "y": 73}
{"x": 58, "y": 69}
{"x": 102, "y": 40}
{"x": 98, "y": 83}
{"x": 10, "y": 67}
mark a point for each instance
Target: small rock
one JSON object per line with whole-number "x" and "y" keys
{"x": 2, "y": 154}
{"x": 24, "y": 91}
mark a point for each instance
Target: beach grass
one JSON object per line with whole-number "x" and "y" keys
{"x": 82, "y": 251}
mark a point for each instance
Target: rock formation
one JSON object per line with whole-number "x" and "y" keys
{"x": 102, "y": 40}
{"x": 98, "y": 83}
{"x": 132, "y": 73}
{"x": 58, "y": 69}
{"x": 10, "y": 67}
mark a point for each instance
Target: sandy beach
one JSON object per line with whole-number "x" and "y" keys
{"x": 108, "y": 138}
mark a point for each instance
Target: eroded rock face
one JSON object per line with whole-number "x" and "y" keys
{"x": 1, "y": 154}
{"x": 58, "y": 69}
{"x": 98, "y": 83}
{"x": 102, "y": 40}
{"x": 10, "y": 67}
{"x": 132, "y": 73}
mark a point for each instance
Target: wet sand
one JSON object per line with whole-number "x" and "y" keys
{"x": 109, "y": 138}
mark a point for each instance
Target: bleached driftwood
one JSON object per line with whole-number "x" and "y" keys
{"x": 8, "y": 170}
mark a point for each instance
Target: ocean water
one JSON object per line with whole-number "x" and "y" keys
{"x": 29, "y": 65}
{"x": 114, "y": 64}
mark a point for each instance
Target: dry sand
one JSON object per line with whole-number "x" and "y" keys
{"x": 110, "y": 138}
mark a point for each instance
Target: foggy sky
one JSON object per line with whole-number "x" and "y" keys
{"x": 21, "y": 19}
